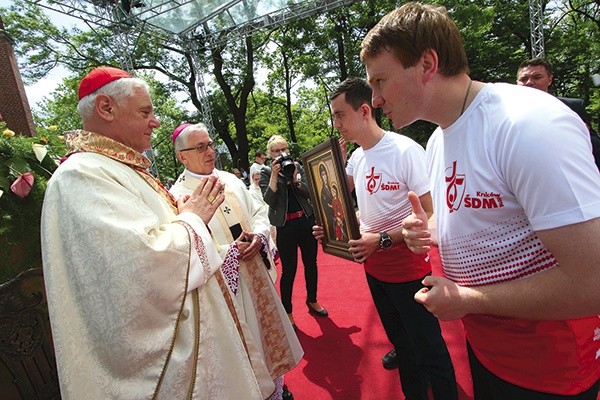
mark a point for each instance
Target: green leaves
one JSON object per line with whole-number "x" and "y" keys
{"x": 288, "y": 61}
{"x": 20, "y": 216}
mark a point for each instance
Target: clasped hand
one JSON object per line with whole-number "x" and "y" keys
{"x": 249, "y": 245}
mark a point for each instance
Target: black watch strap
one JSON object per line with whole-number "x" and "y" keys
{"x": 385, "y": 241}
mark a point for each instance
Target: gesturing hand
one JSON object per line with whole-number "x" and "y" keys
{"x": 204, "y": 200}
{"x": 443, "y": 298}
{"x": 414, "y": 227}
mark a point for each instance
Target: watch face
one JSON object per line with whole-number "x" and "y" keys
{"x": 386, "y": 241}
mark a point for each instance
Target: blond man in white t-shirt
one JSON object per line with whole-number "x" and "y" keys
{"x": 515, "y": 208}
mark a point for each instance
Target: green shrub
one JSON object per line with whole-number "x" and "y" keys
{"x": 20, "y": 216}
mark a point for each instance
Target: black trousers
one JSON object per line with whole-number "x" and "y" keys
{"x": 416, "y": 335}
{"x": 488, "y": 386}
{"x": 297, "y": 233}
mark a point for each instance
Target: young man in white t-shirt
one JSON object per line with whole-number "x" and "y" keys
{"x": 516, "y": 196}
{"x": 383, "y": 170}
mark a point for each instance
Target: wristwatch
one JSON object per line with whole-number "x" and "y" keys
{"x": 385, "y": 241}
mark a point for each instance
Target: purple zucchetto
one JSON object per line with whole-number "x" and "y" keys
{"x": 178, "y": 131}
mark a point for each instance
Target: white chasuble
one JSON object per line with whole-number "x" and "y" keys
{"x": 259, "y": 305}
{"x": 138, "y": 306}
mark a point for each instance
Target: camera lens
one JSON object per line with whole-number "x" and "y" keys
{"x": 287, "y": 166}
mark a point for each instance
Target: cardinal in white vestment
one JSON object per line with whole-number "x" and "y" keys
{"x": 240, "y": 226}
{"x": 138, "y": 305}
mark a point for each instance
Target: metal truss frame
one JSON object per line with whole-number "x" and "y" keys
{"x": 278, "y": 18}
{"x": 119, "y": 15}
{"x": 536, "y": 20}
{"x": 127, "y": 20}
{"x": 127, "y": 23}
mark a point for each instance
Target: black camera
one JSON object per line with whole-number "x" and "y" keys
{"x": 287, "y": 166}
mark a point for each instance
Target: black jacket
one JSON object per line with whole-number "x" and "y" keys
{"x": 278, "y": 201}
{"x": 578, "y": 106}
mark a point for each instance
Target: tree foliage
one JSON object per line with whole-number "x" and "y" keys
{"x": 278, "y": 80}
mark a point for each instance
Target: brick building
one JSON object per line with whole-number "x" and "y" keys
{"x": 14, "y": 106}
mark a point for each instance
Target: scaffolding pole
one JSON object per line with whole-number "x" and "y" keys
{"x": 536, "y": 20}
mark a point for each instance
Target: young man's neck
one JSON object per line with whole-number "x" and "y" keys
{"x": 451, "y": 99}
{"x": 371, "y": 136}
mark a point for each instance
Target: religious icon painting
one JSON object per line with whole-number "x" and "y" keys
{"x": 331, "y": 199}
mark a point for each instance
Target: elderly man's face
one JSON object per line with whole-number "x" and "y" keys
{"x": 535, "y": 76}
{"x": 199, "y": 162}
{"x": 135, "y": 119}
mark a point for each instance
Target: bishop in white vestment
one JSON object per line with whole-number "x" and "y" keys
{"x": 258, "y": 301}
{"x": 138, "y": 305}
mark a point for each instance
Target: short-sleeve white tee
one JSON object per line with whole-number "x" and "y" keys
{"x": 383, "y": 175}
{"x": 497, "y": 176}
{"x": 517, "y": 161}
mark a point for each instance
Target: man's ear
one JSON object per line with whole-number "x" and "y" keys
{"x": 429, "y": 64}
{"x": 365, "y": 110}
{"x": 104, "y": 107}
{"x": 181, "y": 157}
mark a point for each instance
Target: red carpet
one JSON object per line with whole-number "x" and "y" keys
{"x": 342, "y": 359}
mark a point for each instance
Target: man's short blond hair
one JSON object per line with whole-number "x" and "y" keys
{"x": 410, "y": 30}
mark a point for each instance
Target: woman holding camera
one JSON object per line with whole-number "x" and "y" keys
{"x": 285, "y": 190}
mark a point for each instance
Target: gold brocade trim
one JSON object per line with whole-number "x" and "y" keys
{"x": 81, "y": 141}
{"x": 278, "y": 355}
{"x": 276, "y": 341}
{"x": 199, "y": 248}
{"x": 179, "y": 314}
{"x": 231, "y": 306}
{"x": 196, "y": 299}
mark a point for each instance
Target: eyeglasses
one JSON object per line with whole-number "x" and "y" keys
{"x": 201, "y": 148}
